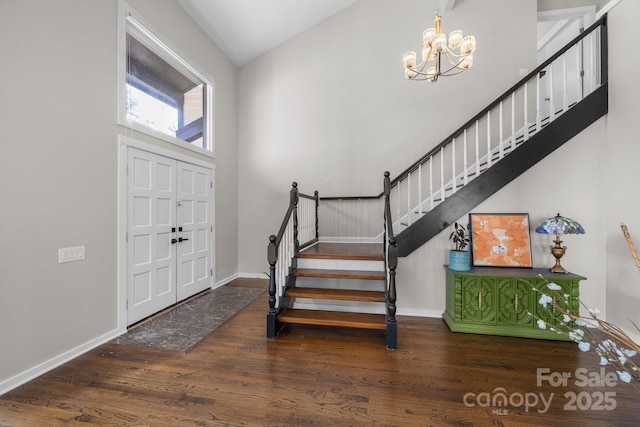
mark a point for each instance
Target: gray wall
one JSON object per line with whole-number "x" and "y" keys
{"x": 58, "y": 170}
{"x": 619, "y": 152}
{"x": 331, "y": 109}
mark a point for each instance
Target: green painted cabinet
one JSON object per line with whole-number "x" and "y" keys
{"x": 496, "y": 301}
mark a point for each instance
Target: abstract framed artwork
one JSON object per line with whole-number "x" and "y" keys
{"x": 500, "y": 240}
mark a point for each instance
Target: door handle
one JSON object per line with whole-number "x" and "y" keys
{"x": 174, "y": 241}
{"x": 180, "y": 239}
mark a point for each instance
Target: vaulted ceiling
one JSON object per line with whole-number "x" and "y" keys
{"x": 244, "y": 29}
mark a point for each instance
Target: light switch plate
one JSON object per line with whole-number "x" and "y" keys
{"x": 75, "y": 253}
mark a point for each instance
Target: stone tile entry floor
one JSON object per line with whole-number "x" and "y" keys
{"x": 183, "y": 326}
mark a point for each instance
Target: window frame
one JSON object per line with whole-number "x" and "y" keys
{"x": 130, "y": 21}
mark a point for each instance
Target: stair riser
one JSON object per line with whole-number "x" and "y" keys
{"x": 340, "y": 264}
{"x": 358, "y": 284}
{"x": 343, "y": 306}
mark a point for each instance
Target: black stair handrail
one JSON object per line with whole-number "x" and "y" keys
{"x": 274, "y": 246}
{"x": 294, "y": 198}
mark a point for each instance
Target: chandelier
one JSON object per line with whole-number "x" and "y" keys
{"x": 434, "y": 47}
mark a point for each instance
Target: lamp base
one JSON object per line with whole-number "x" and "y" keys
{"x": 558, "y": 269}
{"x": 558, "y": 251}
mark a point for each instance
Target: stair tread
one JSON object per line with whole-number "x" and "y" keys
{"x": 337, "y": 294}
{"x": 334, "y": 318}
{"x": 340, "y": 274}
{"x": 353, "y": 251}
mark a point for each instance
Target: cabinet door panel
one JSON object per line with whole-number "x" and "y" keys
{"x": 514, "y": 300}
{"x": 565, "y": 299}
{"x": 478, "y": 300}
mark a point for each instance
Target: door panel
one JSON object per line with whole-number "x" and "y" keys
{"x": 151, "y": 213}
{"x": 196, "y": 219}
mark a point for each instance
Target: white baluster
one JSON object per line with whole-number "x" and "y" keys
{"x": 454, "y": 185}
{"x": 592, "y": 62}
{"x": 477, "y": 148}
{"x": 420, "y": 200}
{"x": 431, "y": 196}
{"x": 409, "y": 216}
{"x": 441, "y": 173}
{"x": 580, "y": 68}
{"x": 539, "y": 95}
{"x": 302, "y": 220}
{"x": 398, "y": 206}
{"x": 500, "y": 134}
{"x": 526, "y": 109}
{"x": 513, "y": 121}
{"x": 464, "y": 159}
{"x": 552, "y": 106}
{"x": 565, "y": 96}
{"x": 489, "y": 157}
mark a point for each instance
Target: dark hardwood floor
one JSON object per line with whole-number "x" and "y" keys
{"x": 322, "y": 376}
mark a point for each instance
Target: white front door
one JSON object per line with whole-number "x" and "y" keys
{"x": 169, "y": 237}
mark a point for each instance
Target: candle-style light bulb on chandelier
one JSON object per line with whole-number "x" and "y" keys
{"x": 458, "y": 51}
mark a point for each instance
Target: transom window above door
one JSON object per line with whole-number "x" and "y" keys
{"x": 162, "y": 94}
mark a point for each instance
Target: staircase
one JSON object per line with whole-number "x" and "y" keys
{"x": 313, "y": 282}
{"x": 331, "y": 284}
{"x": 342, "y": 276}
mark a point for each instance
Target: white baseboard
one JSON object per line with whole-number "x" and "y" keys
{"x": 253, "y": 275}
{"x": 32, "y": 373}
{"x": 225, "y": 281}
{"x": 419, "y": 313}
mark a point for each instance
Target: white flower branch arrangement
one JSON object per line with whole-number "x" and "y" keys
{"x": 614, "y": 346}
{"x": 610, "y": 342}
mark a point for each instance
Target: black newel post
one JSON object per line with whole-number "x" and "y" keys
{"x": 392, "y": 324}
{"x": 386, "y": 185}
{"x": 393, "y": 263}
{"x": 391, "y": 252}
{"x": 272, "y": 315}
